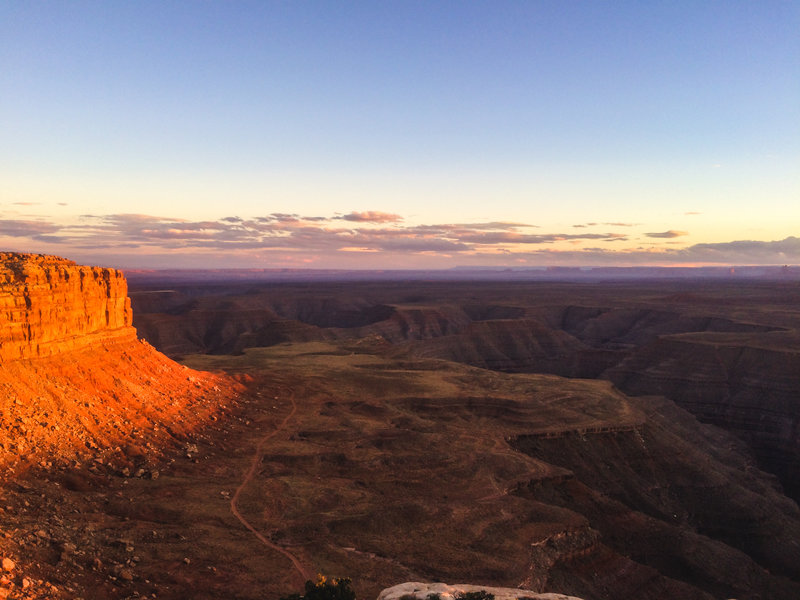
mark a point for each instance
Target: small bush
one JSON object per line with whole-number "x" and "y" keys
{"x": 434, "y": 596}
{"x": 481, "y": 595}
{"x": 326, "y": 589}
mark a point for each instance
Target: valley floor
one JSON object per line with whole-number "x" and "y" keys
{"x": 340, "y": 461}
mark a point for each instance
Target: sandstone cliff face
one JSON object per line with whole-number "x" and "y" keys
{"x": 49, "y": 305}
{"x": 74, "y": 379}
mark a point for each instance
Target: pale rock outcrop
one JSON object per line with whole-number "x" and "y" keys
{"x": 449, "y": 592}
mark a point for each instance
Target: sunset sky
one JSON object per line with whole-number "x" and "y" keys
{"x": 401, "y": 134}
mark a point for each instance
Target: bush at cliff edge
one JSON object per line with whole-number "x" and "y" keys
{"x": 326, "y": 589}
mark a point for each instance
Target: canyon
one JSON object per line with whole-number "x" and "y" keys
{"x": 597, "y": 440}
{"x": 729, "y": 352}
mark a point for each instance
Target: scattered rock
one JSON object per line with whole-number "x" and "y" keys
{"x": 8, "y": 564}
{"x": 68, "y": 547}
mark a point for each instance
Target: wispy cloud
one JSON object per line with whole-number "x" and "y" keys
{"x": 495, "y": 225}
{"x": 610, "y": 224}
{"x": 31, "y": 229}
{"x": 372, "y": 216}
{"x": 371, "y": 231}
{"x": 667, "y": 234}
{"x": 375, "y": 234}
{"x": 746, "y": 252}
{"x": 741, "y": 252}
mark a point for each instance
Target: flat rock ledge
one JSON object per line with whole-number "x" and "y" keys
{"x": 446, "y": 591}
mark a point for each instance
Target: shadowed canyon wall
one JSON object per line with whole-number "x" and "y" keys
{"x": 747, "y": 385}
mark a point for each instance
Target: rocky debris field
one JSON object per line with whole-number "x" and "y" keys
{"x": 84, "y": 531}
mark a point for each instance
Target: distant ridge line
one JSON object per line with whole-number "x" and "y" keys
{"x": 588, "y": 274}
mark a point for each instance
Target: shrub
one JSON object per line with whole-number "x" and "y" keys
{"x": 481, "y": 595}
{"x": 326, "y": 589}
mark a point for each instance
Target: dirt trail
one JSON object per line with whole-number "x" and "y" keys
{"x": 249, "y": 476}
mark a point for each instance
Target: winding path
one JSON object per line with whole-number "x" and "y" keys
{"x": 248, "y": 476}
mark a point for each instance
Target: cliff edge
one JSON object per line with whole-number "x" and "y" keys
{"x": 74, "y": 379}
{"x": 49, "y": 305}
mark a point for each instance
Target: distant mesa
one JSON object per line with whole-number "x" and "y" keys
{"x": 50, "y": 305}
{"x": 75, "y": 379}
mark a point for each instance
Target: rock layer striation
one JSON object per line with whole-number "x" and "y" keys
{"x": 49, "y": 305}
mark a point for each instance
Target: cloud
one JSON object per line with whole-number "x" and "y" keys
{"x": 741, "y": 252}
{"x": 414, "y": 244}
{"x": 692, "y": 212}
{"x": 667, "y": 234}
{"x": 293, "y": 232}
{"x": 20, "y": 228}
{"x": 498, "y": 225}
{"x": 284, "y": 234}
{"x": 786, "y": 251}
{"x": 611, "y": 224}
{"x": 372, "y": 216}
{"x": 519, "y": 238}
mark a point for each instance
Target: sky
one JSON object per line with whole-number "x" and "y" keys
{"x": 401, "y": 134}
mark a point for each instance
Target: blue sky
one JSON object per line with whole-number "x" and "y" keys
{"x": 389, "y": 134}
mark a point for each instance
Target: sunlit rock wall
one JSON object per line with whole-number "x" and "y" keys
{"x": 49, "y": 305}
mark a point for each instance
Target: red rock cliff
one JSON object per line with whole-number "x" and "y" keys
{"x": 75, "y": 380}
{"x": 49, "y": 305}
